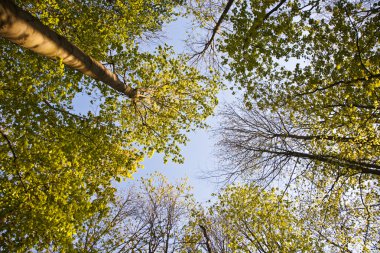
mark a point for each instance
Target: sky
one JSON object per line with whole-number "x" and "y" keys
{"x": 199, "y": 153}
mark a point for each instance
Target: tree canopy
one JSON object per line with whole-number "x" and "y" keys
{"x": 316, "y": 63}
{"x": 308, "y": 71}
{"x": 309, "y": 75}
{"x": 247, "y": 218}
{"x": 57, "y": 164}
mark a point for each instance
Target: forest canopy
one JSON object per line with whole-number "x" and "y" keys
{"x": 57, "y": 165}
{"x": 307, "y": 71}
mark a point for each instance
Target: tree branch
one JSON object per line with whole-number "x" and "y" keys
{"x": 63, "y": 111}
{"x": 9, "y": 145}
{"x": 216, "y": 27}
{"x": 366, "y": 168}
{"x": 362, "y": 79}
{"x": 204, "y": 231}
{"x": 25, "y": 30}
{"x": 14, "y": 157}
{"x": 257, "y": 25}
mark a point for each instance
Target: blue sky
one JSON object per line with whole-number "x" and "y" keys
{"x": 198, "y": 160}
{"x": 199, "y": 152}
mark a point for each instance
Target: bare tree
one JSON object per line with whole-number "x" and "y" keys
{"x": 263, "y": 145}
{"x": 150, "y": 217}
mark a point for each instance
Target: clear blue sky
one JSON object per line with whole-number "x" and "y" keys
{"x": 199, "y": 152}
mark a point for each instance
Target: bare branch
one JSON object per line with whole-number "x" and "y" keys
{"x": 216, "y": 28}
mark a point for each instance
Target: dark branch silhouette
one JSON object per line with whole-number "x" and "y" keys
{"x": 216, "y": 28}
{"x": 204, "y": 232}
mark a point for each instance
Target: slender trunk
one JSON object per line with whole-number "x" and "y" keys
{"x": 217, "y": 26}
{"x": 167, "y": 234}
{"x": 314, "y": 137}
{"x": 204, "y": 231}
{"x": 27, "y": 31}
{"x": 364, "y": 167}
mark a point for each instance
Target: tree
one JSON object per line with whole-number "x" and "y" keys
{"x": 309, "y": 74}
{"x": 246, "y": 218}
{"x": 343, "y": 218}
{"x": 23, "y": 29}
{"x": 149, "y": 218}
{"x": 57, "y": 164}
{"x": 314, "y": 61}
{"x": 331, "y": 82}
{"x": 268, "y": 145}
{"x": 339, "y": 196}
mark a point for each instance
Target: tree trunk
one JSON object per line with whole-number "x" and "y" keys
{"x": 204, "y": 231}
{"x": 363, "y": 167}
{"x": 27, "y": 31}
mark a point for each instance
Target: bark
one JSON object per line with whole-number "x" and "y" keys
{"x": 363, "y": 167}
{"x": 23, "y": 29}
{"x": 208, "y": 246}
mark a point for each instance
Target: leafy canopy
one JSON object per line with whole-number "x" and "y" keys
{"x": 247, "y": 218}
{"x": 309, "y": 73}
{"x": 316, "y": 61}
{"x": 56, "y": 164}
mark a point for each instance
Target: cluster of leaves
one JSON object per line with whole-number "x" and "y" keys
{"x": 309, "y": 73}
{"x": 57, "y": 165}
{"x": 173, "y": 99}
{"x": 343, "y": 213}
{"x": 330, "y": 88}
{"x": 246, "y": 218}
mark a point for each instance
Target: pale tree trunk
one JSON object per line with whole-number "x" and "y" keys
{"x": 27, "y": 31}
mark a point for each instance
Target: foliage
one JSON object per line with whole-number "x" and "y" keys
{"x": 317, "y": 62}
{"x": 56, "y": 164}
{"x": 340, "y": 206}
{"x": 246, "y": 218}
{"x": 342, "y": 212}
{"x": 309, "y": 74}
